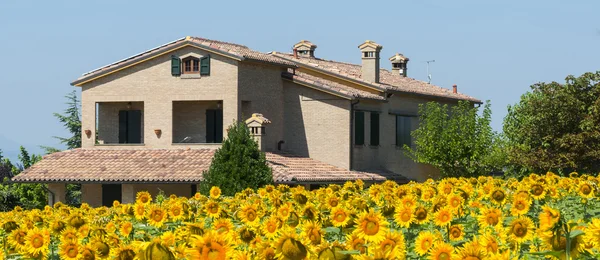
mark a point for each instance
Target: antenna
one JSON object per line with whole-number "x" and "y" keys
{"x": 429, "y": 75}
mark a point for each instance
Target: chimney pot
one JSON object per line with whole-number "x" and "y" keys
{"x": 454, "y": 89}
{"x": 295, "y": 53}
{"x": 304, "y": 48}
{"x": 370, "y": 61}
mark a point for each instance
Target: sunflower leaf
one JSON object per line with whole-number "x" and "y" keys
{"x": 575, "y": 233}
{"x": 332, "y": 230}
{"x": 547, "y": 253}
{"x": 350, "y": 252}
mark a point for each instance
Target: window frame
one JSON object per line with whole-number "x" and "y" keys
{"x": 190, "y": 61}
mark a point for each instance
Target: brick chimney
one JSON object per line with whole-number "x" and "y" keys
{"x": 399, "y": 63}
{"x": 304, "y": 49}
{"x": 370, "y": 60}
{"x": 256, "y": 124}
{"x": 454, "y": 89}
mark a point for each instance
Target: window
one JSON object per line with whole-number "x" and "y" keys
{"x": 190, "y": 65}
{"x": 359, "y": 128}
{"x": 130, "y": 126}
{"x": 374, "y": 128}
{"x": 396, "y": 65}
{"x": 403, "y": 129}
{"x": 369, "y": 54}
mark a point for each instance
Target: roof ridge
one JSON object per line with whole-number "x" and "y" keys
{"x": 223, "y": 42}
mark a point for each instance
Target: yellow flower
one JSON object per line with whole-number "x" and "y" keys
{"x": 392, "y": 245}
{"x": 404, "y": 217}
{"x": 548, "y": 217}
{"x": 271, "y": 228}
{"x": 339, "y": 217}
{"x": 424, "y": 242}
{"x": 156, "y": 215}
{"x": 249, "y": 215}
{"x": 284, "y": 211}
{"x": 471, "y": 250}
{"x": 291, "y": 246}
{"x": 371, "y": 226}
{"x": 68, "y": 250}
{"x": 87, "y": 252}
{"x": 489, "y": 243}
{"x": 537, "y": 191}
{"x": 498, "y": 196}
{"x": 223, "y": 226}
{"x": 126, "y": 228}
{"x": 176, "y": 211}
{"x": 139, "y": 211}
{"x": 521, "y": 229}
{"x": 215, "y": 192}
{"x": 456, "y": 232}
{"x": 168, "y": 238}
{"x": 422, "y": 215}
{"x": 125, "y": 252}
{"x": 585, "y": 190}
{"x": 520, "y": 206}
{"x": 143, "y": 197}
{"x": 17, "y": 238}
{"x": 490, "y": 217}
{"x": 355, "y": 242}
{"x": 442, "y": 217}
{"x": 312, "y": 231}
{"x": 441, "y": 251}
{"x": 212, "y": 209}
{"x": 36, "y": 242}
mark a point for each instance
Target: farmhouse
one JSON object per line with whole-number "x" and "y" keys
{"x": 153, "y": 121}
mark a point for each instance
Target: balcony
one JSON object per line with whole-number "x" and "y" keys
{"x": 197, "y": 122}
{"x": 119, "y": 123}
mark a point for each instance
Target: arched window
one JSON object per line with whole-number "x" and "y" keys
{"x": 191, "y": 65}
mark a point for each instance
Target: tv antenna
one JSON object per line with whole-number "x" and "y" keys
{"x": 429, "y": 75}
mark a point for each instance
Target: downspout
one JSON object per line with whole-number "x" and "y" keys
{"x": 51, "y": 193}
{"x": 352, "y": 104}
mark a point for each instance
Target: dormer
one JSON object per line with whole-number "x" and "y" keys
{"x": 399, "y": 63}
{"x": 304, "y": 49}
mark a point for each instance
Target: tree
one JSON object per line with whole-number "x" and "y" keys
{"x": 26, "y": 195}
{"x": 237, "y": 165}
{"x": 456, "y": 140}
{"x": 556, "y": 127}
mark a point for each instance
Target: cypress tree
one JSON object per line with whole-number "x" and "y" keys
{"x": 238, "y": 164}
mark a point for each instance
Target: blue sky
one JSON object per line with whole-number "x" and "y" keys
{"x": 492, "y": 51}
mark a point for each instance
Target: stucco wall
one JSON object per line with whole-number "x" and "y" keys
{"x": 108, "y": 120}
{"x": 151, "y": 82}
{"x": 261, "y": 91}
{"x": 189, "y": 120}
{"x": 316, "y": 125}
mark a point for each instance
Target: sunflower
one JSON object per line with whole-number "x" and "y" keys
{"x": 455, "y": 201}
{"x": 424, "y": 241}
{"x": 330, "y": 251}
{"x": 248, "y": 214}
{"x": 312, "y": 231}
{"x": 110, "y": 227}
{"x": 126, "y": 228}
{"x": 339, "y": 217}
{"x": 87, "y": 252}
{"x": 520, "y": 206}
{"x": 442, "y": 217}
{"x": 537, "y": 191}
{"x": 489, "y": 243}
{"x": 125, "y": 252}
{"x": 498, "y": 196}
{"x": 548, "y": 217}
{"x": 408, "y": 201}
{"x": 143, "y": 197}
{"x": 156, "y": 215}
{"x": 176, "y": 211}
{"x": 371, "y": 226}
{"x": 556, "y": 241}
{"x": 101, "y": 247}
{"x": 421, "y": 215}
{"x": 271, "y": 227}
{"x": 68, "y": 250}
{"x": 215, "y": 192}
{"x": 266, "y": 251}
{"x": 456, "y": 232}
{"x": 212, "y": 209}
{"x": 471, "y": 250}
{"x": 76, "y": 220}
{"x": 521, "y": 229}
{"x": 16, "y": 239}
{"x": 284, "y": 211}
{"x": 223, "y": 226}
{"x": 36, "y": 243}
{"x": 441, "y": 251}
{"x": 490, "y": 217}
{"x": 139, "y": 211}
{"x": 310, "y": 212}
{"x": 404, "y": 217}
{"x": 392, "y": 244}
{"x": 333, "y": 201}
{"x": 291, "y": 246}
{"x": 585, "y": 190}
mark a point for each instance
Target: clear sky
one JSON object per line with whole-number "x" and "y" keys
{"x": 492, "y": 51}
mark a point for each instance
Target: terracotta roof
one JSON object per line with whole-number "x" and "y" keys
{"x": 238, "y": 51}
{"x": 328, "y": 85}
{"x": 388, "y": 81}
{"x": 175, "y": 165}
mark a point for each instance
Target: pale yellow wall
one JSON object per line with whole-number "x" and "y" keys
{"x": 108, "y": 120}
{"x": 151, "y": 82}
{"x": 189, "y": 119}
{"x": 317, "y": 125}
{"x": 261, "y": 91}
{"x": 91, "y": 194}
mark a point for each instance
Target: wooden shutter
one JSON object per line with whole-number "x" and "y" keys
{"x": 406, "y": 131}
{"x": 359, "y": 128}
{"x": 134, "y": 127}
{"x": 123, "y": 126}
{"x": 374, "y": 128}
{"x": 219, "y": 126}
{"x": 403, "y": 129}
{"x": 175, "y": 66}
{"x": 210, "y": 125}
{"x": 205, "y": 65}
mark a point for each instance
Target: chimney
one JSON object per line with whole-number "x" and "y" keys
{"x": 454, "y": 89}
{"x": 399, "y": 63}
{"x": 304, "y": 49}
{"x": 256, "y": 125}
{"x": 370, "y": 60}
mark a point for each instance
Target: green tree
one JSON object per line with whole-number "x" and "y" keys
{"x": 237, "y": 165}
{"x": 6, "y": 167}
{"x": 26, "y": 195}
{"x": 556, "y": 126}
{"x": 456, "y": 140}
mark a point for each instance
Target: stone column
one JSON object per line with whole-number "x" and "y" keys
{"x": 58, "y": 193}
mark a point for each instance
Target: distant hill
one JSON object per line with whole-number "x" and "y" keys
{"x": 10, "y": 148}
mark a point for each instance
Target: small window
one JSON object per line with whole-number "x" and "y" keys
{"x": 191, "y": 65}
{"x": 359, "y": 128}
{"x": 369, "y": 54}
{"x": 374, "y": 129}
{"x": 403, "y": 129}
{"x": 396, "y": 65}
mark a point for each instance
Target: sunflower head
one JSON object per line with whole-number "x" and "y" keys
{"x": 441, "y": 251}
{"x": 143, "y": 197}
{"x": 424, "y": 242}
{"x": 215, "y": 192}
{"x": 456, "y": 232}
{"x": 69, "y": 250}
{"x": 521, "y": 229}
{"x": 290, "y": 246}
{"x": 371, "y": 226}
{"x": 443, "y": 217}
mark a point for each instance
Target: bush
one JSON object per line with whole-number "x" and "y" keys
{"x": 238, "y": 164}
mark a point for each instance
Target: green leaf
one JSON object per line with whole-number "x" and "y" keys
{"x": 350, "y": 252}
{"x": 332, "y": 230}
{"x": 548, "y": 253}
{"x": 575, "y": 233}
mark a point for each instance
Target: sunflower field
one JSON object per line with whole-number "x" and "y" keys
{"x": 540, "y": 217}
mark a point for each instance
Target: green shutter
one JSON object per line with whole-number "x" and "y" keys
{"x": 205, "y": 65}
{"x": 374, "y": 128}
{"x": 359, "y": 128}
{"x": 406, "y": 131}
{"x": 403, "y": 129}
{"x": 175, "y": 66}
